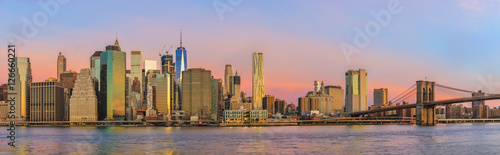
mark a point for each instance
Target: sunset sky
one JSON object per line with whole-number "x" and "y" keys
{"x": 455, "y": 43}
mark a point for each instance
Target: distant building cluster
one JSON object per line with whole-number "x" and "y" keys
{"x": 107, "y": 91}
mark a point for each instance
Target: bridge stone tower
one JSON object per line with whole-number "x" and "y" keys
{"x": 426, "y": 115}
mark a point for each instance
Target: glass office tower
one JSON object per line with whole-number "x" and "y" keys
{"x": 112, "y": 95}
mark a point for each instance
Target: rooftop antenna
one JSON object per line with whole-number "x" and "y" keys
{"x": 181, "y": 37}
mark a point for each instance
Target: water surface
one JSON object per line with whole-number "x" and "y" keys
{"x": 354, "y": 139}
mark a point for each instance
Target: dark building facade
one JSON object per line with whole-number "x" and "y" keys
{"x": 46, "y": 101}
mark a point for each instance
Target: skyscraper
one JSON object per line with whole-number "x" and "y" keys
{"x": 180, "y": 60}
{"x": 47, "y": 101}
{"x": 258, "y": 89}
{"x": 216, "y": 98}
{"x": 95, "y": 68}
{"x": 380, "y": 97}
{"x": 67, "y": 79}
{"x": 227, "y": 74}
{"x": 235, "y": 87}
{"x": 83, "y": 102}
{"x": 197, "y": 92}
{"x": 112, "y": 95}
{"x": 22, "y": 84}
{"x": 136, "y": 73}
{"x": 61, "y": 65}
{"x": 167, "y": 64}
{"x": 356, "y": 91}
{"x": 161, "y": 97}
{"x": 168, "y": 67}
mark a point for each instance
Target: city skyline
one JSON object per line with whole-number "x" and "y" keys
{"x": 440, "y": 57}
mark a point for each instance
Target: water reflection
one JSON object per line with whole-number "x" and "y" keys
{"x": 356, "y": 139}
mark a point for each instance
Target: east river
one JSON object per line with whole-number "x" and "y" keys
{"x": 353, "y": 139}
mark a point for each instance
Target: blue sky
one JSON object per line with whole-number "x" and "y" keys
{"x": 451, "y": 42}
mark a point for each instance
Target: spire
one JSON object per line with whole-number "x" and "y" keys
{"x": 181, "y": 38}
{"x": 236, "y": 73}
{"x": 59, "y": 53}
{"x": 116, "y": 42}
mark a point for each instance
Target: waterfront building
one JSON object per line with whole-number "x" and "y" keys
{"x": 83, "y": 102}
{"x": 95, "y": 65}
{"x": 217, "y": 98}
{"x": 356, "y": 91}
{"x": 279, "y": 106}
{"x": 268, "y": 104}
{"x": 258, "y": 116}
{"x": 161, "y": 95}
{"x": 196, "y": 92}
{"x": 112, "y": 94}
{"x": 95, "y": 69}
{"x": 245, "y": 116}
{"x": 406, "y": 112}
{"x": 233, "y": 116}
{"x": 68, "y": 79}
{"x": 136, "y": 72}
{"x": 228, "y": 72}
{"x": 4, "y": 112}
{"x": 241, "y": 106}
{"x": 22, "y": 84}
{"x": 168, "y": 66}
{"x": 46, "y": 101}
{"x": 258, "y": 88}
{"x": 236, "y": 87}
{"x": 61, "y": 65}
{"x": 338, "y": 97}
{"x": 455, "y": 111}
{"x": 380, "y": 97}
{"x": 308, "y": 104}
{"x": 495, "y": 113}
{"x": 326, "y": 102}
{"x": 3, "y": 92}
{"x": 479, "y": 109}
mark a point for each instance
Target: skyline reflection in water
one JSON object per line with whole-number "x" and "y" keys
{"x": 355, "y": 139}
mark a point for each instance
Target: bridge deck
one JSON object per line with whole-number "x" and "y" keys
{"x": 433, "y": 103}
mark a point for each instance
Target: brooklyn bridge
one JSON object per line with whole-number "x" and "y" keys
{"x": 425, "y": 104}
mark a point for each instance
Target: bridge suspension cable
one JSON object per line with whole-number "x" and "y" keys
{"x": 456, "y": 89}
{"x": 406, "y": 96}
{"x": 403, "y": 93}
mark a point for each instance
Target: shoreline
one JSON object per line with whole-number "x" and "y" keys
{"x": 215, "y": 124}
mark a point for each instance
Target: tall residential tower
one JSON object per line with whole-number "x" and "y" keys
{"x": 258, "y": 89}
